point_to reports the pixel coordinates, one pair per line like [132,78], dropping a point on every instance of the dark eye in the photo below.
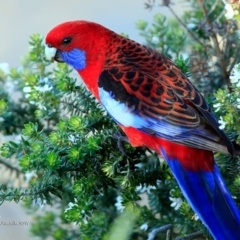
[66,40]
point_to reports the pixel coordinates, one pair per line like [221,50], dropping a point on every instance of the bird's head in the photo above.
[72,42]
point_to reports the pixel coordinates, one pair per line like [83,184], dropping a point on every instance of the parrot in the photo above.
[157,107]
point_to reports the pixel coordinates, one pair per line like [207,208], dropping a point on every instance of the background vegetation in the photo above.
[66,156]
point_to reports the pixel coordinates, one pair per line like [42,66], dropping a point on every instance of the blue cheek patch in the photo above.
[76,58]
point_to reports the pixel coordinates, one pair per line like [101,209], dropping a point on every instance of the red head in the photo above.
[76,41]
[81,44]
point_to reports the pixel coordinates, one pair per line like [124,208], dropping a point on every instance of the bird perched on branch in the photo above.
[156,106]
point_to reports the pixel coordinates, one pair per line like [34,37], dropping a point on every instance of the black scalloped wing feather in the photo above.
[151,85]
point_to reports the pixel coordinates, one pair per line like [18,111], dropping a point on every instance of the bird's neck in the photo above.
[90,76]
[96,56]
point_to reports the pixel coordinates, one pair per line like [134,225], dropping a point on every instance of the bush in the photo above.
[73,157]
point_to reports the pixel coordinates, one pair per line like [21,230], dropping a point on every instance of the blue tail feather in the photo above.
[209,197]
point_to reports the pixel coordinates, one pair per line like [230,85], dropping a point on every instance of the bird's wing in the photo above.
[145,90]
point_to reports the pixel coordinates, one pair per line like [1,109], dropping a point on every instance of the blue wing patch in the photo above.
[128,116]
[208,195]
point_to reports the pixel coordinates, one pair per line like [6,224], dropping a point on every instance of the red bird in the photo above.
[158,107]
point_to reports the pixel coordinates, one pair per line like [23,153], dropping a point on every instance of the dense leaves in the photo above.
[75,159]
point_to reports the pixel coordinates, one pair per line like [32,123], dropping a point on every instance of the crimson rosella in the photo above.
[156,106]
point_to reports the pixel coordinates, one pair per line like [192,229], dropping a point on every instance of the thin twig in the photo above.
[213,7]
[169,235]
[10,166]
[26,194]
[184,25]
[191,236]
[227,40]
[234,59]
[155,231]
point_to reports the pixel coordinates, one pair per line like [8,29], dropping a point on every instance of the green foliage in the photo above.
[166,36]
[74,157]
[70,151]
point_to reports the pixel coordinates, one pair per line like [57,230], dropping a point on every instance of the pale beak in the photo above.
[50,52]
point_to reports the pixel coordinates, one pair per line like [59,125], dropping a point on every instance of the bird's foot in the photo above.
[120,140]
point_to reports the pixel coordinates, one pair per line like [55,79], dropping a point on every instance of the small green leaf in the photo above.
[76,123]
[30,129]
[142,24]
[73,154]
[3,106]
[52,159]
[25,162]
[55,138]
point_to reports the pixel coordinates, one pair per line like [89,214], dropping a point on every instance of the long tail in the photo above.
[209,197]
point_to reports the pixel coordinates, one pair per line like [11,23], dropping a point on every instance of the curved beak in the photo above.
[53,54]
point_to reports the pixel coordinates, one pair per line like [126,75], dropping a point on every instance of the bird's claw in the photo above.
[120,139]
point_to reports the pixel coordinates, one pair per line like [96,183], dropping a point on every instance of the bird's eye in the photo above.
[66,40]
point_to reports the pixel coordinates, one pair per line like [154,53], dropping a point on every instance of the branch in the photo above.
[169,229]
[226,54]
[18,196]
[213,7]
[191,236]
[185,27]
[10,166]
[155,231]
[215,43]
[234,59]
